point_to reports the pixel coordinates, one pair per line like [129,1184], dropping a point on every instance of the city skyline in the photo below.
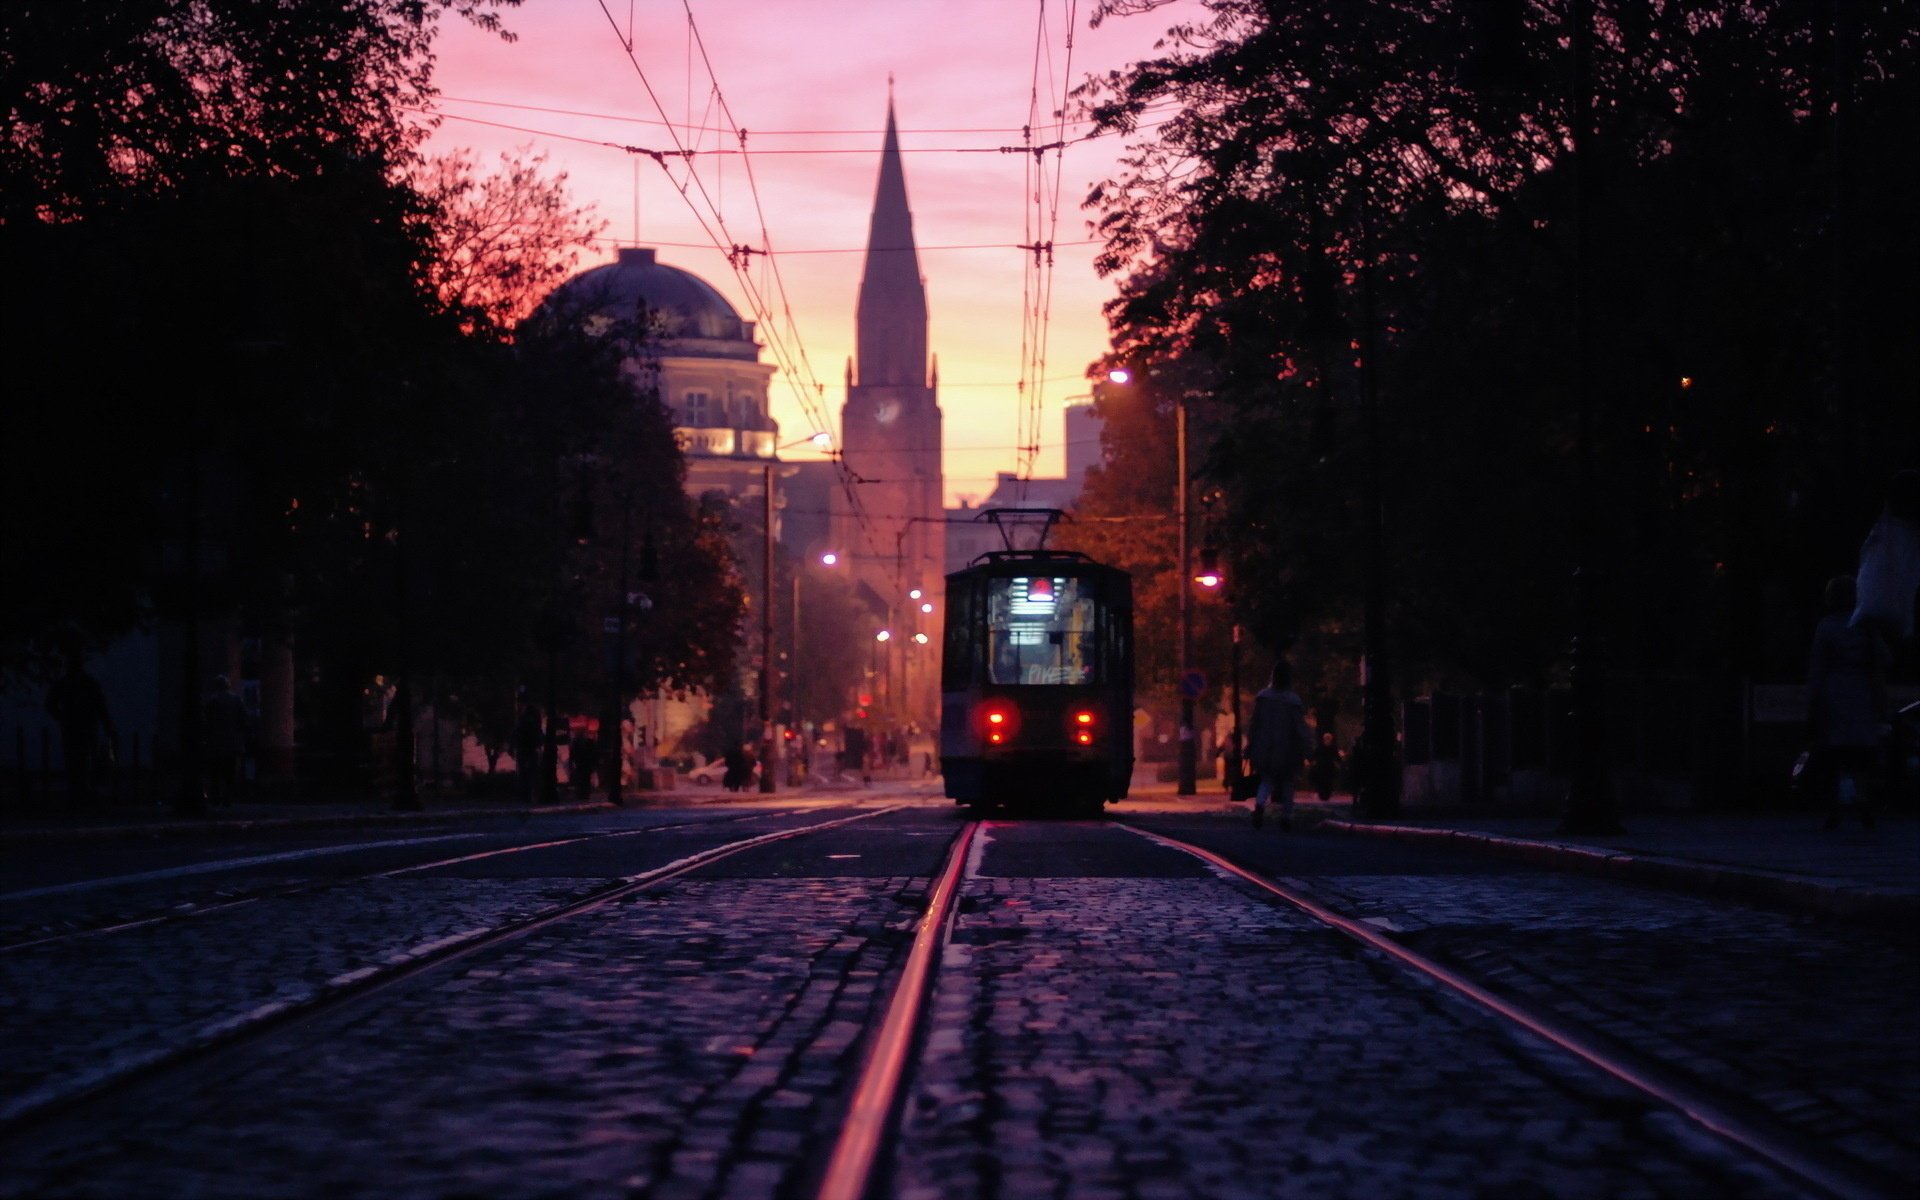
[566,87]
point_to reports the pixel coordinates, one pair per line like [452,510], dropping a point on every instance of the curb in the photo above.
[1779,889]
[191,825]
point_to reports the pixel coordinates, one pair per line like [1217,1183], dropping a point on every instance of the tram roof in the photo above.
[1013,561]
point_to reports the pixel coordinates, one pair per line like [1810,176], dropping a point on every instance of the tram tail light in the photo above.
[998,722]
[1082,726]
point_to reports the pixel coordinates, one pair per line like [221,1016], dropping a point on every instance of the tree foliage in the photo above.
[261,371]
[503,240]
[1324,178]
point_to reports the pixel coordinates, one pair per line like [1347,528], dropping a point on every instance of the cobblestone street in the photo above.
[1111,1018]
[1158,1037]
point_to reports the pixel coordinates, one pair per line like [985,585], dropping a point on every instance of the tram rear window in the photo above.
[1043,630]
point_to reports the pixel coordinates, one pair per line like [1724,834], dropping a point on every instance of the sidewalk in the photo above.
[1780,860]
[1785,861]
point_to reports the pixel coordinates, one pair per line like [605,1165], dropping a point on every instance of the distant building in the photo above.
[890,431]
[968,535]
[703,358]
[1084,451]
[705,362]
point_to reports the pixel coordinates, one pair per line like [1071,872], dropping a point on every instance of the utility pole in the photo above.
[1379,773]
[613,723]
[766,645]
[190,801]
[1189,745]
[1590,792]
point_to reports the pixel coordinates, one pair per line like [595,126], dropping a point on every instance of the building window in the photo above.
[697,405]
[749,412]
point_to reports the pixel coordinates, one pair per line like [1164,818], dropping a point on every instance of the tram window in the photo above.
[962,656]
[1043,631]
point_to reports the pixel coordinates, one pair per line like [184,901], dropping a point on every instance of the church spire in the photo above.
[891,335]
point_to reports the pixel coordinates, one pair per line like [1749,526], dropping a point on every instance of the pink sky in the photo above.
[823,65]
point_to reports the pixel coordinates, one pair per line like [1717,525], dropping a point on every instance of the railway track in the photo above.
[858,1164]
[871,1069]
[20,1112]
[193,910]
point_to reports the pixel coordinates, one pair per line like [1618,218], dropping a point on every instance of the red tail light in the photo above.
[999,720]
[1081,726]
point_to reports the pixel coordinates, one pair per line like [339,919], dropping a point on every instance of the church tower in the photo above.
[890,439]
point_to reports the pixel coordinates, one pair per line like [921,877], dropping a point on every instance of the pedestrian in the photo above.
[224,740]
[527,741]
[1278,743]
[735,775]
[1325,771]
[1889,574]
[580,753]
[77,704]
[1846,702]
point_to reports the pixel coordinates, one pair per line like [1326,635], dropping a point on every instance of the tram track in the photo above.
[309,886]
[226,1034]
[1750,1133]
[860,1158]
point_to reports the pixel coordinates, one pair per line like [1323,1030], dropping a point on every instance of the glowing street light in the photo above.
[914,594]
[885,635]
[1209,576]
[829,559]
[921,638]
[1119,375]
[927,607]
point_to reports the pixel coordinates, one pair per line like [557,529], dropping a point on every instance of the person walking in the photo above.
[1889,575]
[1278,743]
[1325,772]
[223,735]
[1846,702]
[77,704]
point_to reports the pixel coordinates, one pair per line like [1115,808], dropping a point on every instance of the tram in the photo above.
[1036,704]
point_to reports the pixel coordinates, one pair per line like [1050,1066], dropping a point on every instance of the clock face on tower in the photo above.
[886,411]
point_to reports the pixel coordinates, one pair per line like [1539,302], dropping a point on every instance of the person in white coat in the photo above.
[1846,703]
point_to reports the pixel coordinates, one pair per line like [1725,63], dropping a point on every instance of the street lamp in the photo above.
[1189,748]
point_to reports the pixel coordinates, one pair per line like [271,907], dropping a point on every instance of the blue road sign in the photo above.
[1192,684]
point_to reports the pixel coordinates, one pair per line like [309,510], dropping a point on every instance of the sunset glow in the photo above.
[809,84]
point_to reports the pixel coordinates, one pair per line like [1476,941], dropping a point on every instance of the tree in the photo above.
[173,336]
[504,240]
[1375,173]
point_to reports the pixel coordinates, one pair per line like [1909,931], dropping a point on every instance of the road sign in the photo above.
[1192,684]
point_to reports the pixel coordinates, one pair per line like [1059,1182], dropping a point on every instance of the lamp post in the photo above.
[1210,577]
[1189,749]
[766,645]
[768,743]
[1189,745]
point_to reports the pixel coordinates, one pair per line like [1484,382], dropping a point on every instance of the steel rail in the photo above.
[849,1172]
[308,886]
[1702,1110]
[50,1100]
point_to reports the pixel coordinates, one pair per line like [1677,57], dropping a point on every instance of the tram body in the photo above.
[1036,704]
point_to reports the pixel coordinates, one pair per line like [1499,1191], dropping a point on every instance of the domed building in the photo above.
[701,355]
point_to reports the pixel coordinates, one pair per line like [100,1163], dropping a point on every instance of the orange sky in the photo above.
[964,73]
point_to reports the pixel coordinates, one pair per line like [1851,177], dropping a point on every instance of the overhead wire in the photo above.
[1037,276]
[739,255]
